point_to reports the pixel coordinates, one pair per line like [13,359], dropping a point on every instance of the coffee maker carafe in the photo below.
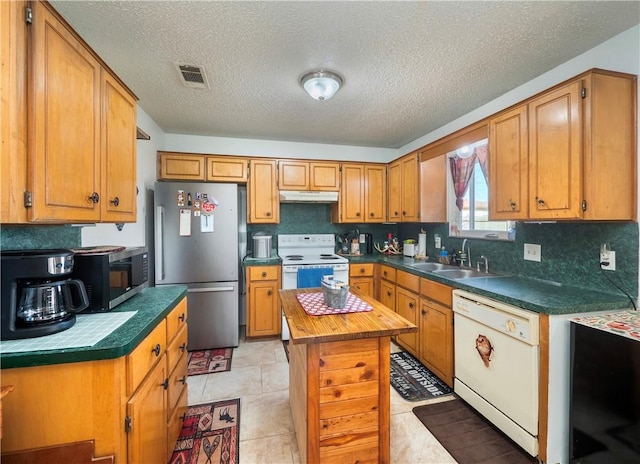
[38,297]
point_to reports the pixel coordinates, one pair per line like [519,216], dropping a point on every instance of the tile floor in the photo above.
[259,376]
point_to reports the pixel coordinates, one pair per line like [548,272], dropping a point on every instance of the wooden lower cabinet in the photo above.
[121,404]
[263,309]
[407,306]
[361,277]
[387,287]
[339,396]
[436,329]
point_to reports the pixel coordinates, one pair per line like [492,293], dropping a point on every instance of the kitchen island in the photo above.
[339,368]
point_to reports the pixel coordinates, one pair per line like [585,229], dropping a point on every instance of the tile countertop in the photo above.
[532,294]
[151,306]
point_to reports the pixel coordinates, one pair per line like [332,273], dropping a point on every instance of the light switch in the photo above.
[532,252]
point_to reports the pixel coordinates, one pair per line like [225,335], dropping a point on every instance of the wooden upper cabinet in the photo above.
[433,189]
[64,124]
[361,196]
[293,175]
[308,175]
[375,178]
[262,192]
[555,171]
[180,166]
[404,189]
[508,166]
[351,199]
[118,152]
[227,169]
[324,176]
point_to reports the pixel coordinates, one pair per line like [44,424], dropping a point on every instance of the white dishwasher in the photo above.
[497,364]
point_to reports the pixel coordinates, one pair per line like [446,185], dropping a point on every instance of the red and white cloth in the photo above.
[314,305]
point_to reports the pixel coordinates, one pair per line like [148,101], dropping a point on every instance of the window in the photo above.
[468,194]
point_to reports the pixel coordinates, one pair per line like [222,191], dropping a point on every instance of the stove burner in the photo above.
[328,257]
[294,257]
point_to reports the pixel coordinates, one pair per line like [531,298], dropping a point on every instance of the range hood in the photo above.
[303,196]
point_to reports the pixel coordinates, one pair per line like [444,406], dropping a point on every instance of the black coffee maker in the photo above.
[38,297]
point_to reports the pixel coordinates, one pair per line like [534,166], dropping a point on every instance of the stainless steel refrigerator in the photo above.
[197,228]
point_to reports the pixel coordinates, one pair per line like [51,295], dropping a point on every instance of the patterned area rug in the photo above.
[210,434]
[413,381]
[209,361]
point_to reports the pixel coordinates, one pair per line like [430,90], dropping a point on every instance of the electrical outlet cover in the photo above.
[608,257]
[532,252]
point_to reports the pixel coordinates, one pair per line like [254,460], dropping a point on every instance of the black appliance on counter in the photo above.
[111,274]
[38,296]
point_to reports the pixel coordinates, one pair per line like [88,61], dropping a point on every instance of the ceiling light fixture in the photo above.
[320,84]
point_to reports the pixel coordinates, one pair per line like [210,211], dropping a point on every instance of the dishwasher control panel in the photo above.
[515,322]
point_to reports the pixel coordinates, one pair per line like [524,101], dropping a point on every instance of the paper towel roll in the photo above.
[422,244]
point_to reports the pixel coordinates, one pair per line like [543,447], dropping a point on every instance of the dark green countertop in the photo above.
[152,305]
[274,259]
[532,294]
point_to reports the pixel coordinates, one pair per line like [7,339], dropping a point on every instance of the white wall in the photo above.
[134,234]
[277,149]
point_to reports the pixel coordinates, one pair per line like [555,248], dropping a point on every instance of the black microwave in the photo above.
[112,277]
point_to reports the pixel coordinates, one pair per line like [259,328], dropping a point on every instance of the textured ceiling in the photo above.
[409,67]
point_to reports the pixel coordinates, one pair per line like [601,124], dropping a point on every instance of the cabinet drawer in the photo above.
[263,272]
[145,356]
[177,348]
[436,291]
[177,383]
[176,320]
[408,281]
[359,270]
[387,273]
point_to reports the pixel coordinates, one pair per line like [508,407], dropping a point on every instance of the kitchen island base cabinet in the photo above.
[339,396]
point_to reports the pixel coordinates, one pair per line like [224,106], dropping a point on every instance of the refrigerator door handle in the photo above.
[159,243]
[210,289]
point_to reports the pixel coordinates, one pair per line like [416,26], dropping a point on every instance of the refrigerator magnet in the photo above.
[206,223]
[196,207]
[185,222]
[180,198]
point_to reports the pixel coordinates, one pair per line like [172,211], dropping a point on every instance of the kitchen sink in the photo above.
[429,266]
[461,273]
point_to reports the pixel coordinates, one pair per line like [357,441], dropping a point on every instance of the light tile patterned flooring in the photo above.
[259,376]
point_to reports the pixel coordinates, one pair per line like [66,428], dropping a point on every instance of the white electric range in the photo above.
[308,251]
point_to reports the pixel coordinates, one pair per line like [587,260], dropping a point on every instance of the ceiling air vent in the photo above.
[192,76]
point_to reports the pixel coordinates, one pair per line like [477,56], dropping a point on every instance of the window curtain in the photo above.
[481,153]
[461,172]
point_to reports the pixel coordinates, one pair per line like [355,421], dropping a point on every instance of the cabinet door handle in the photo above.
[424,312]
[269,292]
[165,384]
[371,214]
[358,214]
[115,202]
[540,201]
[411,305]
[388,293]
[183,380]
[512,204]
[94,197]
[268,213]
[181,317]
[404,213]
[183,417]
[264,274]
[395,213]
[384,273]
[183,347]
[156,350]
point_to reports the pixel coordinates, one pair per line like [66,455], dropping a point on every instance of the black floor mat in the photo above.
[413,381]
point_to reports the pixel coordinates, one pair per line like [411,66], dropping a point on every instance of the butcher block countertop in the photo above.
[380,322]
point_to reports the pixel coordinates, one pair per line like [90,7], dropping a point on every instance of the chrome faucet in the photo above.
[486,263]
[466,256]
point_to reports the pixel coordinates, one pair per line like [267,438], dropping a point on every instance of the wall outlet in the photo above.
[532,252]
[608,260]
[362,240]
